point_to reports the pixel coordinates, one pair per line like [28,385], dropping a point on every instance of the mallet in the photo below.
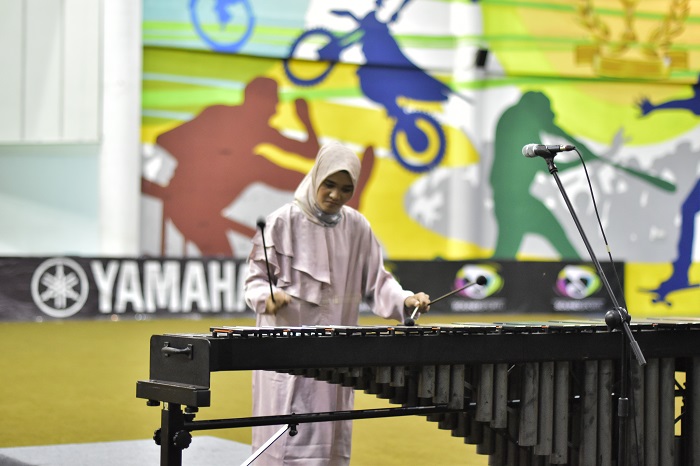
[480,280]
[261,225]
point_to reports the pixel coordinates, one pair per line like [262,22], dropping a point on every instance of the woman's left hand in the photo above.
[421,300]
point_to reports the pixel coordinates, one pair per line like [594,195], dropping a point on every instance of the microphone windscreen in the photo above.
[261,223]
[481,280]
[529,150]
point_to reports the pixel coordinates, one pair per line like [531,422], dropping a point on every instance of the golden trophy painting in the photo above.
[630,43]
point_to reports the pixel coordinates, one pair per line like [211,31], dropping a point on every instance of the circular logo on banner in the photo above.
[471,273]
[577,281]
[59,287]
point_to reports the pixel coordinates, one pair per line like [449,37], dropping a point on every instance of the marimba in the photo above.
[523,393]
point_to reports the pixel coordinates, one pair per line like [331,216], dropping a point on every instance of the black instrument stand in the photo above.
[617,318]
[174,435]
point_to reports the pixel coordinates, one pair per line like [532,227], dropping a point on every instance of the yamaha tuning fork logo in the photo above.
[62,287]
[59,287]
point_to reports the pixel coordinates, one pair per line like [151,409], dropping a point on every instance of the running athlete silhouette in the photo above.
[692,104]
[679,278]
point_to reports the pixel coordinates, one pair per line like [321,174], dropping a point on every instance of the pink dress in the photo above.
[327,271]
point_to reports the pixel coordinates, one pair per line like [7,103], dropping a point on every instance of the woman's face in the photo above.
[334,192]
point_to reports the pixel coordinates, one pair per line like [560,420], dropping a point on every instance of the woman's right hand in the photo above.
[281,300]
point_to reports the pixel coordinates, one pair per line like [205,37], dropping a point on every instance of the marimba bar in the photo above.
[524,394]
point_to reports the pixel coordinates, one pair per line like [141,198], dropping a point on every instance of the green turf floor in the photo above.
[75,382]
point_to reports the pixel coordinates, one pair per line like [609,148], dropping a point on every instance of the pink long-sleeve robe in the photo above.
[327,271]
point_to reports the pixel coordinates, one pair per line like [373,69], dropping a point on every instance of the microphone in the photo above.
[480,280]
[261,225]
[533,150]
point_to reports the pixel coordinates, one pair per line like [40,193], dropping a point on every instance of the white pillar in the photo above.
[120,155]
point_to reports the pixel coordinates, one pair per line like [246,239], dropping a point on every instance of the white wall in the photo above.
[69,127]
[120,157]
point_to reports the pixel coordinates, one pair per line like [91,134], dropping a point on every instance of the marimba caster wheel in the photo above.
[156,436]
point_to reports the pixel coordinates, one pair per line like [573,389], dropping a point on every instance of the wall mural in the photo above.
[438,98]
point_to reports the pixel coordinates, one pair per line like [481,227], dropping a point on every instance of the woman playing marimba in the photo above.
[322,259]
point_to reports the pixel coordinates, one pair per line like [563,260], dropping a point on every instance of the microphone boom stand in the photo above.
[617,318]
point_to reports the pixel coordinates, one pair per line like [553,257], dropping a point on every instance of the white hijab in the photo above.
[332,158]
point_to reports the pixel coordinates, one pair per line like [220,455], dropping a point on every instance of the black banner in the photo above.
[513,286]
[47,288]
[72,287]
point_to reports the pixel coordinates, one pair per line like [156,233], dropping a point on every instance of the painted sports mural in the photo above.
[438,98]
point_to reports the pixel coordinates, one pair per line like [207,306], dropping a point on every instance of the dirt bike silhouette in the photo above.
[228,38]
[387,75]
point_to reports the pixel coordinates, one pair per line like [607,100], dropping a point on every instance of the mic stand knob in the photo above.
[615,317]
